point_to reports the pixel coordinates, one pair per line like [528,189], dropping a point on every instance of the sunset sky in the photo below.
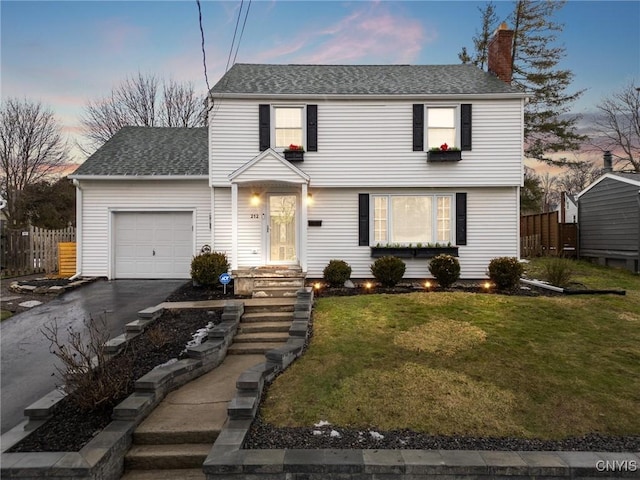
[66,53]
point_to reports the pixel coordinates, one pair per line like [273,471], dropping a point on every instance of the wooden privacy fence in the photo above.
[32,250]
[542,234]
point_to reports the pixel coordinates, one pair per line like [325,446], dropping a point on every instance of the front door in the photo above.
[281,228]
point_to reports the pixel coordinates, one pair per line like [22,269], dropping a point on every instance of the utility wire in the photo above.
[233,41]
[204,54]
[246,14]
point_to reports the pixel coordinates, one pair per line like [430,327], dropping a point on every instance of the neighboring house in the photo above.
[366,178]
[567,209]
[610,220]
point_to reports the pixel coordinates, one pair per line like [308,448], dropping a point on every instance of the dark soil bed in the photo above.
[190,293]
[46,282]
[70,428]
[263,436]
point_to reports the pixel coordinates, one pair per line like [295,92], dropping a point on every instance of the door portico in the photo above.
[268,213]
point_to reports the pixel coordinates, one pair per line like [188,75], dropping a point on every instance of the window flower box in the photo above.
[444,154]
[400,252]
[430,252]
[294,153]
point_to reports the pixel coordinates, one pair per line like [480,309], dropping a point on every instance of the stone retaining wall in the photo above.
[227,459]
[103,457]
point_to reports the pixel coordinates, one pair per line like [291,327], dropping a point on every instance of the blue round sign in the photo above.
[225,278]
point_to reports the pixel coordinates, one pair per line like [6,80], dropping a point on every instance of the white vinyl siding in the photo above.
[103,199]
[369,144]
[492,230]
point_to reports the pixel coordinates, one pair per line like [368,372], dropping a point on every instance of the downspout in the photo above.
[76,183]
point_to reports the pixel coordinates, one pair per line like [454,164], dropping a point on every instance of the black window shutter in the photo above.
[363,219]
[465,126]
[265,127]
[461,218]
[418,127]
[312,128]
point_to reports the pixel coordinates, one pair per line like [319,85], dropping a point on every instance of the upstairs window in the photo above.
[442,127]
[406,219]
[288,126]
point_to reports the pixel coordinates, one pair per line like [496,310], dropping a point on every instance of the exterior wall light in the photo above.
[309,199]
[255,199]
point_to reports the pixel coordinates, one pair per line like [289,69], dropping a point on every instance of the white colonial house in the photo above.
[151,198]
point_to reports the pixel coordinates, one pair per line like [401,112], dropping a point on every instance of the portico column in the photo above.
[234,226]
[303,228]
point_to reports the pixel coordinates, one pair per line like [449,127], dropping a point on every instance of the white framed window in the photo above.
[288,126]
[406,219]
[442,126]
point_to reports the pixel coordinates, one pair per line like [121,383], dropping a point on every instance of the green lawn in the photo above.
[474,364]
[4,314]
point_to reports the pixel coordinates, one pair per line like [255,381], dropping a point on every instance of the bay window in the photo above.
[412,219]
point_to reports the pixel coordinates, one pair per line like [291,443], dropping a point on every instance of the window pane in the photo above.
[411,219]
[288,136]
[380,211]
[288,117]
[444,219]
[441,117]
[438,136]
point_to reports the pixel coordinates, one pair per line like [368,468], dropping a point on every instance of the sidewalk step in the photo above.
[177,456]
[256,327]
[253,317]
[253,348]
[175,474]
[157,436]
[261,337]
[274,292]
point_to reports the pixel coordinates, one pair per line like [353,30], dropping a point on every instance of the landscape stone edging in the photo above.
[54,289]
[228,460]
[102,458]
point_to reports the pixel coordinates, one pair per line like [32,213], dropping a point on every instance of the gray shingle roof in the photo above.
[629,175]
[265,79]
[162,151]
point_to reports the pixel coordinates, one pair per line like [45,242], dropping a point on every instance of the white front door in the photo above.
[282,237]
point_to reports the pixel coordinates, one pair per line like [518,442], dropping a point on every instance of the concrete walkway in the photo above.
[173,441]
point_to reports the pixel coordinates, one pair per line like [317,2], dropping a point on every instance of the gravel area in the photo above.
[265,436]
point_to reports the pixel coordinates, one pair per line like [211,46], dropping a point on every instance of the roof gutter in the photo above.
[139,177]
[419,97]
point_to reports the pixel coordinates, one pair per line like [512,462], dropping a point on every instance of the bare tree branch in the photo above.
[31,148]
[145,101]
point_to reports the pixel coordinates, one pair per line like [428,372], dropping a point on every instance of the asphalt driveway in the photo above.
[27,367]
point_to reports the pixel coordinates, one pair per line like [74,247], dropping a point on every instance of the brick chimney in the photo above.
[500,53]
[608,163]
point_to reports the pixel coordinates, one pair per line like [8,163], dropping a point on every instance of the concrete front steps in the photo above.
[269,281]
[264,326]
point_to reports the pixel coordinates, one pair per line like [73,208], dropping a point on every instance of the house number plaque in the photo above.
[254,216]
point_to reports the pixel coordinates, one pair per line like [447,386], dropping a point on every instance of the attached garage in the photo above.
[144,204]
[152,244]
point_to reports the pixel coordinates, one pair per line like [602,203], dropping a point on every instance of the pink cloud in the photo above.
[370,32]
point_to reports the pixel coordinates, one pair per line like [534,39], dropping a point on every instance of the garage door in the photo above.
[153,244]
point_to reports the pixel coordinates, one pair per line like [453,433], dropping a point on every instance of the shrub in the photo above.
[557,271]
[90,379]
[505,272]
[207,267]
[445,269]
[336,273]
[388,270]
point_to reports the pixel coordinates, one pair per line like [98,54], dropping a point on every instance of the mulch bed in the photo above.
[265,436]
[70,428]
[190,293]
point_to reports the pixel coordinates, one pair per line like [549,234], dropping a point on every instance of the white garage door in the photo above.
[153,244]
